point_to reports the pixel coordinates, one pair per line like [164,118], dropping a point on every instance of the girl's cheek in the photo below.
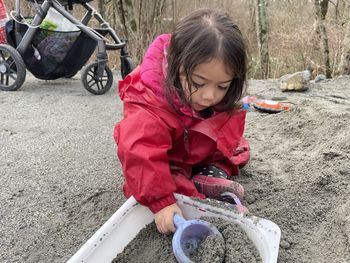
[185,86]
[187,91]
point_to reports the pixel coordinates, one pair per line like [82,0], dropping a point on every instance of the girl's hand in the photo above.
[164,218]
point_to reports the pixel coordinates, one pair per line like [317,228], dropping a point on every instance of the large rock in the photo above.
[297,81]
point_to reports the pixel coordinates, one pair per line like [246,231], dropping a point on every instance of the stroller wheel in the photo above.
[95,84]
[12,68]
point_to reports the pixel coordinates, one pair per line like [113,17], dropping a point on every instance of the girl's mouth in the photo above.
[198,107]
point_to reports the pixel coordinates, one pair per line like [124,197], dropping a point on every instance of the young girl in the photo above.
[182,130]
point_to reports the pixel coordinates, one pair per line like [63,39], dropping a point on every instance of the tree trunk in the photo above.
[127,17]
[321,8]
[344,67]
[102,7]
[262,32]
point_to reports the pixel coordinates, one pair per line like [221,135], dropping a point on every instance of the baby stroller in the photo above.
[49,53]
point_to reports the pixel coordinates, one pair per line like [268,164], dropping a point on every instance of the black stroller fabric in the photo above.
[52,54]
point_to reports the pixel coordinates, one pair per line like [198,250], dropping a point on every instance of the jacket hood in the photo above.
[154,64]
[151,75]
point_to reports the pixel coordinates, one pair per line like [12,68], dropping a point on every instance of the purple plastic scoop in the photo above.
[188,236]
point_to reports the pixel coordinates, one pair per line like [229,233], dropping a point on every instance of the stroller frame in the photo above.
[97,70]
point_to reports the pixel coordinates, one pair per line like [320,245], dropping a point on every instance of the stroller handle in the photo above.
[115,46]
[117,43]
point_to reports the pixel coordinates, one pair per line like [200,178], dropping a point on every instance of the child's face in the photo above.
[211,81]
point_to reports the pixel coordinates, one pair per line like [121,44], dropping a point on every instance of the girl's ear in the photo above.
[184,82]
[181,70]
[183,76]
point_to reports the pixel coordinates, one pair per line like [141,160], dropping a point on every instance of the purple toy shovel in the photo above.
[188,236]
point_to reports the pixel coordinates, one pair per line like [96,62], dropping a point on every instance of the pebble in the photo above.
[250,199]
[284,244]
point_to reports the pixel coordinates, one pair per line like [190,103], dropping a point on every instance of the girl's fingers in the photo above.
[167,226]
[164,219]
[158,225]
[170,225]
[159,228]
[161,225]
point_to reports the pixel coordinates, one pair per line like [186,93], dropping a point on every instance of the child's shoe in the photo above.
[212,182]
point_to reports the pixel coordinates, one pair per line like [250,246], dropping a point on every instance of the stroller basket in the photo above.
[53,54]
[56,44]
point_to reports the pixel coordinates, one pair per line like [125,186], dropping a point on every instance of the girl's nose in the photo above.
[208,94]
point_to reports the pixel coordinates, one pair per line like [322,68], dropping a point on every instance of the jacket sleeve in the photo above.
[143,140]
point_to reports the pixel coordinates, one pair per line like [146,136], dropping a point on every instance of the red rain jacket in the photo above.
[157,146]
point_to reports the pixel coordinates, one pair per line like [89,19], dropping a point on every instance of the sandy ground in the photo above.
[60,178]
[152,247]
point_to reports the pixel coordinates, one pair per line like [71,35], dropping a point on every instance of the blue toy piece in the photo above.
[188,236]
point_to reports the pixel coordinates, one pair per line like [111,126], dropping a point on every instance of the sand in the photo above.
[211,249]
[60,178]
[233,246]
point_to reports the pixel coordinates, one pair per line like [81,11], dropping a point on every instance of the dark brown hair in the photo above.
[199,37]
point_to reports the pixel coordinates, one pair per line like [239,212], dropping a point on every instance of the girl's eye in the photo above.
[223,87]
[197,85]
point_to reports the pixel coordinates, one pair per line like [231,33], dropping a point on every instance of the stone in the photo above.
[297,81]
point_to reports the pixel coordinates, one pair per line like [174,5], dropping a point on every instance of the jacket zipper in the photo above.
[186,142]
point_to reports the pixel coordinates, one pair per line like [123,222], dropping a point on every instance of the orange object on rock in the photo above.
[270,106]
